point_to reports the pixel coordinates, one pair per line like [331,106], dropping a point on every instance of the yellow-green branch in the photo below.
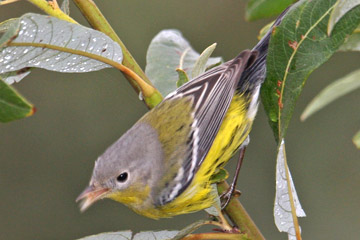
[52,10]
[239,216]
[225,236]
[97,20]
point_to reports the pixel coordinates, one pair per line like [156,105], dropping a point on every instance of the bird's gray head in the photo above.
[133,161]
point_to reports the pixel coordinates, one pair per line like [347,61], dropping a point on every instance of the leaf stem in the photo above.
[52,9]
[291,198]
[238,215]
[214,235]
[97,20]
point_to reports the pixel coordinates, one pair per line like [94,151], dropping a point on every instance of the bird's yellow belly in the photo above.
[233,131]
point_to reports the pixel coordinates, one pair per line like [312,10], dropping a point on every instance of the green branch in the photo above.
[238,215]
[97,20]
[52,9]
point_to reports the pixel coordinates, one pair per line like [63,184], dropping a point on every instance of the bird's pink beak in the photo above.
[90,195]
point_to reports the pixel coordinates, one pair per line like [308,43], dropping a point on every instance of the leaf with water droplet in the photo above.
[288,67]
[123,235]
[167,51]
[160,235]
[12,105]
[128,235]
[282,206]
[46,42]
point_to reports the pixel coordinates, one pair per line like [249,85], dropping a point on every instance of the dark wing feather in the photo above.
[256,73]
[211,95]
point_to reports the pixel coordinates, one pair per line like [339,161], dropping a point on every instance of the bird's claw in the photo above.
[226,197]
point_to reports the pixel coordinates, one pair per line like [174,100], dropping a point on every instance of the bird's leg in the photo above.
[226,196]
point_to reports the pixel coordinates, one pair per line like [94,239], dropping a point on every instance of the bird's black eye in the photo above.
[122,177]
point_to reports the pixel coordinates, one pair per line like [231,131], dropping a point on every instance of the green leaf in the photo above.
[356,139]
[220,176]
[264,30]
[298,46]
[352,43]
[12,105]
[183,78]
[332,92]
[340,9]
[201,63]
[124,235]
[168,51]
[257,9]
[46,42]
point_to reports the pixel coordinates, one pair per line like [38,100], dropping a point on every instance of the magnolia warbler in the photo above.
[162,166]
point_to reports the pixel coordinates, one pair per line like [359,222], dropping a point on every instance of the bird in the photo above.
[162,166]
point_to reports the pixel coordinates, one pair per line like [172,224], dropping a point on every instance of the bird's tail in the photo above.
[254,76]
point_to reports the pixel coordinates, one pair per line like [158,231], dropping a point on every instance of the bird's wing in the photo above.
[211,94]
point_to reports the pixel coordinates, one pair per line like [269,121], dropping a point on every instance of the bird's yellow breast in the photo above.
[233,131]
[198,195]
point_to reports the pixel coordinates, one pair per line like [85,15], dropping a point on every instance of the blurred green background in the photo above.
[46,160]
